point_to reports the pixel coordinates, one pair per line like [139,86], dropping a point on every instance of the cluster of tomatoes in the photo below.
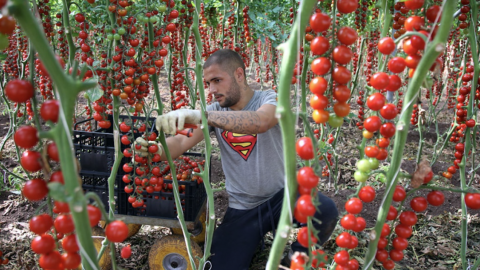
[36,189]
[369,65]
[342,55]
[404,222]
[146,174]
[63,231]
[361,15]
[304,207]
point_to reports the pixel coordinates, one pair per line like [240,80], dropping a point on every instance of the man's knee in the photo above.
[328,214]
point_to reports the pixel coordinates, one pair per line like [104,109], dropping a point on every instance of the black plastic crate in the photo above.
[96,151]
[98,183]
[157,204]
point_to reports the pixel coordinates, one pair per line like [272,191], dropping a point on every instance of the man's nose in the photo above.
[212,89]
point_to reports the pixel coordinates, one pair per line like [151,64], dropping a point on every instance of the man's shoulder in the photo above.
[266,97]
[215,106]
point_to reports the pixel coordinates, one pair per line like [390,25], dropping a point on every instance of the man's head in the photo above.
[224,73]
[228,61]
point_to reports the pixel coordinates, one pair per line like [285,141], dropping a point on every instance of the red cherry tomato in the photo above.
[304,148]
[347,35]
[116,231]
[376,101]
[367,194]
[126,252]
[26,137]
[372,123]
[307,178]
[472,200]
[399,194]
[386,45]
[35,189]
[354,206]
[320,22]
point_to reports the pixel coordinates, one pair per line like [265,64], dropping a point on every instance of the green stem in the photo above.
[468,142]
[210,221]
[421,141]
[287,124]
[178,202]
[68,32]
[431,53]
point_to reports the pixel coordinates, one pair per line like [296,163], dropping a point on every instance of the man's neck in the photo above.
[247,94]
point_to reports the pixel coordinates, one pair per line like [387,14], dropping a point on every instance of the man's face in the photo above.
[222,85]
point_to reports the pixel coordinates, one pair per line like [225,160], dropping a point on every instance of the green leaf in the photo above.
[321,145]
[277,9]
[94,94]
[57,191]
[3,56]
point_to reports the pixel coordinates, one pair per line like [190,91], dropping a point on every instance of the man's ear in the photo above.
[239,75]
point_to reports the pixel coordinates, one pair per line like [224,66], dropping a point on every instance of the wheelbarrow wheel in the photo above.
[198,233]
[105,261]
[170,253]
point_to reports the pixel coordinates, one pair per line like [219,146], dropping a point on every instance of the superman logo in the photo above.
[243,144]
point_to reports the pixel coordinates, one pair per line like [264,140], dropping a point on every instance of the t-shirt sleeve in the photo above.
[270,97]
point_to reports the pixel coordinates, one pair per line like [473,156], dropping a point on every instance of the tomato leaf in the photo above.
[94,94]
[57,191]
[3,56]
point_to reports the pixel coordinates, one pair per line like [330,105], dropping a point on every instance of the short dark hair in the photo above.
[227,59]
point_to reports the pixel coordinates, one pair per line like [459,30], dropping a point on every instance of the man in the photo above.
[251,147]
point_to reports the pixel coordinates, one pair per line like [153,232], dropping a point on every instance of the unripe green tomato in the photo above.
[310,61]
[110,37]
[4,42]
[145,19]
[363,165]
[360,176]
[117,37]
[108,29]
[128,8]
[121,31]
[162,8]
[250,43]
[306,48]
[374,163]
[335,121]
[153,19]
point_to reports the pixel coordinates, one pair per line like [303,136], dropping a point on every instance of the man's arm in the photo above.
[244,122]
[179,144]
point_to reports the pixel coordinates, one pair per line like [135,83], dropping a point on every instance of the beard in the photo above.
[232,96]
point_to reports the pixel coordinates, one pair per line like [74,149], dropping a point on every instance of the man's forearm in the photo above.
[246,122]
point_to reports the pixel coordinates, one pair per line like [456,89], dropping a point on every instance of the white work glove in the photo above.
[143,151]
[174,120]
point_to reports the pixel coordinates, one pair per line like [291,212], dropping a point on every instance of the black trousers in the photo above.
[237,238]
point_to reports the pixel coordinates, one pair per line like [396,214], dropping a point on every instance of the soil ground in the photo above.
[435,243]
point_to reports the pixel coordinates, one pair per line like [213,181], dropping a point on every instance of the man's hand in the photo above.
[147,147]
[176,119]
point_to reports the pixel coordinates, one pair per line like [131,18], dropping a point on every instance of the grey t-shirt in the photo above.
[253,163]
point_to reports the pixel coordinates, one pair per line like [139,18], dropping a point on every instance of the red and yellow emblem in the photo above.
[241,143]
